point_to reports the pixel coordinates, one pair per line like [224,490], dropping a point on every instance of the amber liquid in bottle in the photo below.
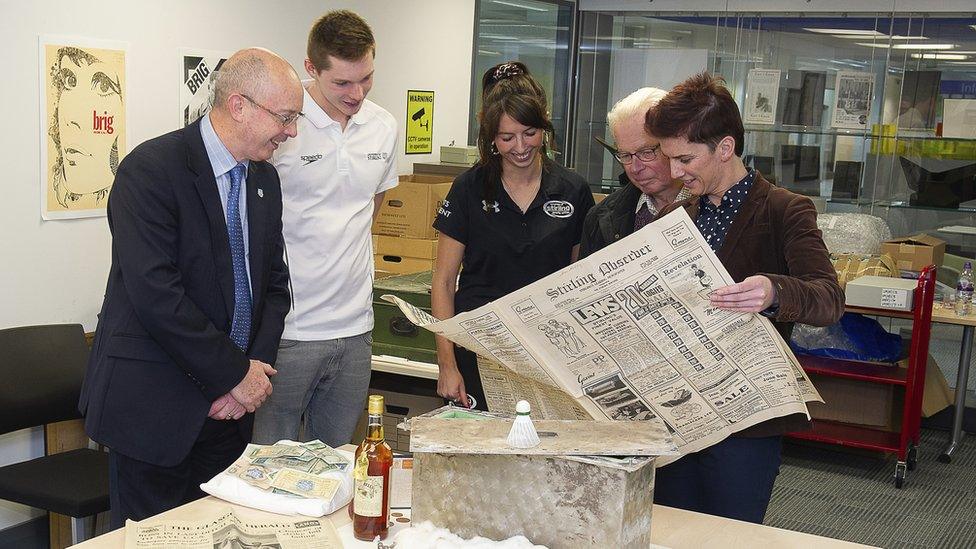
[371,473]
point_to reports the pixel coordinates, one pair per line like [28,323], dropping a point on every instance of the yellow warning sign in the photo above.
[420,122]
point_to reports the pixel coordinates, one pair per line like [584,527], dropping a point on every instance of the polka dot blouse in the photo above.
[714,221]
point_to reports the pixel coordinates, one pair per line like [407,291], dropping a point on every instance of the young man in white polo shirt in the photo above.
[333,176]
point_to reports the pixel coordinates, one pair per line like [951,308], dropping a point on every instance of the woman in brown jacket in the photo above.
[768,240]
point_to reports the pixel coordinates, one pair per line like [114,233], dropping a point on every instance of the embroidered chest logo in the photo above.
[377,156]
[558,208]
[490,206]
[309,158]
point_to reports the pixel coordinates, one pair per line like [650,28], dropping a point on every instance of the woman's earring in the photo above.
[494,149]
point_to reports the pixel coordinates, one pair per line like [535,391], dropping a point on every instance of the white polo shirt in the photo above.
[328,180]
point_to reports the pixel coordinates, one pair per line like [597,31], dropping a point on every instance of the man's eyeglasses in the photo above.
[645,155]
[286,120]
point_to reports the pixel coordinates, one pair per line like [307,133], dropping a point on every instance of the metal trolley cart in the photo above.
[903,442]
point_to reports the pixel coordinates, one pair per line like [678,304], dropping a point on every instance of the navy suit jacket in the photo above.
[162,353]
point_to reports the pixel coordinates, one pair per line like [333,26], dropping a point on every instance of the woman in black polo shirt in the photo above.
[512,219]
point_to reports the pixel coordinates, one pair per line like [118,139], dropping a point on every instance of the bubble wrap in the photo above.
[851,233]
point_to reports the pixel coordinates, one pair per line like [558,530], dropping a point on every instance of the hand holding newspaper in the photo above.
[629,333]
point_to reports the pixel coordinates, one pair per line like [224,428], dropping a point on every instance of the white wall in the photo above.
[55,271]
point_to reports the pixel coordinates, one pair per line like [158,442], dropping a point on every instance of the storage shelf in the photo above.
[851,369]
[879,312]
[854,436]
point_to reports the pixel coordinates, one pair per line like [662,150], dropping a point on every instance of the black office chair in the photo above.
[41,371]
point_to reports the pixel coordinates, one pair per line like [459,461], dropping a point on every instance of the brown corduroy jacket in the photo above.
[775,234]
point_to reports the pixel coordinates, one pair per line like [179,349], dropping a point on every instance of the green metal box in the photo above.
[393,334]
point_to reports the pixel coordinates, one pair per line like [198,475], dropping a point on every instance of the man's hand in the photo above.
[752,295]
[255,387]
[226,407]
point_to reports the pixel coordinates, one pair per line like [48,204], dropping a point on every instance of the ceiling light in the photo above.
[923,46]
[861,32]
[898,37]
[860,36]
[942,56]
[517,5]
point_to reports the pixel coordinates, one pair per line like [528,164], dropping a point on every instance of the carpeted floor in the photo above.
[851,495]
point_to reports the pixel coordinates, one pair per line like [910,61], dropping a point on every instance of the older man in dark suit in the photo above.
[197,292]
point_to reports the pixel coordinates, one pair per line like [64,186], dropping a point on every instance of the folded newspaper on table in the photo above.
[308,478]
[628,333]
[228,530]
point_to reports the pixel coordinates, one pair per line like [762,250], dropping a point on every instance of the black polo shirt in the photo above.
[505,249]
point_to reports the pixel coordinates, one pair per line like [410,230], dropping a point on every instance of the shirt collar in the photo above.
[318,117]
[221,160]
[743,185]
[683,193]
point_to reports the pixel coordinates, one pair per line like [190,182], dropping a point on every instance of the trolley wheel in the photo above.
[901,469]
[912,457]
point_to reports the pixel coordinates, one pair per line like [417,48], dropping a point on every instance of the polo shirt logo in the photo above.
[558,208]
[493,206]
[377,156]
[309,158]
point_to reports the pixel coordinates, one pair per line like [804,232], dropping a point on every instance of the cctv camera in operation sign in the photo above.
[420,122]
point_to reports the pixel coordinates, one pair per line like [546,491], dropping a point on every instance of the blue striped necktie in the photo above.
[240,330]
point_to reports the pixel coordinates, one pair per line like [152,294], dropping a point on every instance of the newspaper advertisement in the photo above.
[762,91]
[852,100]
[629,333]
[229,530]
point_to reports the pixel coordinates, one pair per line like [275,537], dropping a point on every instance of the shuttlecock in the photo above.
[523,433]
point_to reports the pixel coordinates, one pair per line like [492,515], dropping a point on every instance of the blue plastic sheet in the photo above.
[855,337]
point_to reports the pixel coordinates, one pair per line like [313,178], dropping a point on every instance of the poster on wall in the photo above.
[198,73]
[420,122]
[762,92]
[82,83]
[852,100]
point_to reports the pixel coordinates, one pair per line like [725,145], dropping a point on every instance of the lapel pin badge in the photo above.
[260,193]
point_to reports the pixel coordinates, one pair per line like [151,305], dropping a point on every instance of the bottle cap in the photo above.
[375,404]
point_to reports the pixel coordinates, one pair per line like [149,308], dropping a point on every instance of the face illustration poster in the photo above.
[198,73]
[83,83]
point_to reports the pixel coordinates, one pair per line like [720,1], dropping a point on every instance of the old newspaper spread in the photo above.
[628,333]
[229,530]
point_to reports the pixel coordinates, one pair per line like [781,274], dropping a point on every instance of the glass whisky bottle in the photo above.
[371,474]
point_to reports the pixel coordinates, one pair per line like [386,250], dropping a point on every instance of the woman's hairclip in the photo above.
[507,70]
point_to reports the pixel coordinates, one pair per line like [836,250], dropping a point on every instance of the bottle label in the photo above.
[362,465]
[368,497]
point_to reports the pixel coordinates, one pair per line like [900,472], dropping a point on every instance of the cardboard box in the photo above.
[851,266]
[937,395]
[410,208]
[422,248]
[881,292]
[914,253]
[398,254]
[402,265]
[878,405]
[875,405]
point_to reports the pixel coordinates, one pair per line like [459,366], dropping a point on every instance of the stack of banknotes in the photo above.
[291,469]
